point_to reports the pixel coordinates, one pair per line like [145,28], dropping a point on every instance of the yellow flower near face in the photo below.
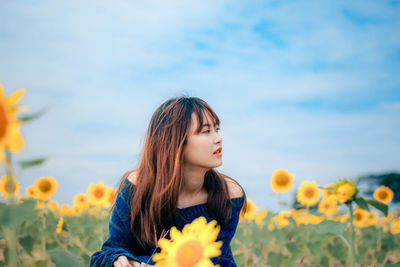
[395,229]
[60,225]
[10,137]
[383,194]
[281,180]
[345,191]
[98,194]
[81,201]
[5,183]
[250,210]
[111,195]
[194,246]
[360,217]
[328,205]
[308,193]
[45,187]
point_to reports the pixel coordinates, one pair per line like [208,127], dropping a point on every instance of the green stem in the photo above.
[352,236]
[11,232]
[11,236]
[10,178]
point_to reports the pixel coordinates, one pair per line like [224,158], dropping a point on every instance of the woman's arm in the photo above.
[236,193]
[120,241]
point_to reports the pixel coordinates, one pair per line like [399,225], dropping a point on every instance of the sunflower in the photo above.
[372,218]
[250,213]
[66,210]
[98,194]
[383,194]
[39,204]
[308,218]
[395,229]
[328,205]
[342,218]
[81,201]
[111,195]
[295,212]
[5,182]
[328,191]
[308,193]
[45,187]
[193,247]
[30,191]
[10,137]
[53,205]
[360,217]
[345,190]
[281,180]
[282,218]
[261,215]
[60,225]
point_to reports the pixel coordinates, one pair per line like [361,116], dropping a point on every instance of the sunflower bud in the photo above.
[345,191]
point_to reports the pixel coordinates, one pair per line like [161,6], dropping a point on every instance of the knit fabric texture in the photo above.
[121,240]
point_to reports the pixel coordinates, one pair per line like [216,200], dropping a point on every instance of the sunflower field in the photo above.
[333,226]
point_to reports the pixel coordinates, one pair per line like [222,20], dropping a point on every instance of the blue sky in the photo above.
[311,86]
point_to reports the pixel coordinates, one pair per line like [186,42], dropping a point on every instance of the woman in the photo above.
[174,184]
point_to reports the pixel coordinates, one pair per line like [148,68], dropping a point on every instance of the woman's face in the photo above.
[200,147]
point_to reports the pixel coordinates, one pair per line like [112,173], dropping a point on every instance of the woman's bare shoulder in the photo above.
[132,176]
[235,189]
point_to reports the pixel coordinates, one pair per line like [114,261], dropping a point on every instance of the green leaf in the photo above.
[33,116]
[63,258]
[362,203]
[379,205]
[40,263]
[27,243]
[275,259]
[31,163]
[13,215]
[329,226]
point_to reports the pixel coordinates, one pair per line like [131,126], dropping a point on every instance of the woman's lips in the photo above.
[218,152]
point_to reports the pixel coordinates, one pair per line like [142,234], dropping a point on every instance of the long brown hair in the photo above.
[159,177]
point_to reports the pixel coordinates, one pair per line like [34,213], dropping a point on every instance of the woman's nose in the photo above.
[218,139]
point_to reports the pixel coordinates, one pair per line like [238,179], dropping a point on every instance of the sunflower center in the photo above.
[189,254]
[282,180]
[82,199]
[45,186]
[358,217]
[382,194]
[327,206]
[99,192]
[3,122]
[309,192]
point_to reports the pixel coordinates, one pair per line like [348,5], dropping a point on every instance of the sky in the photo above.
[309,86]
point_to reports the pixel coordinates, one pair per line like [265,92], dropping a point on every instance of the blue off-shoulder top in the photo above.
[121,240]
